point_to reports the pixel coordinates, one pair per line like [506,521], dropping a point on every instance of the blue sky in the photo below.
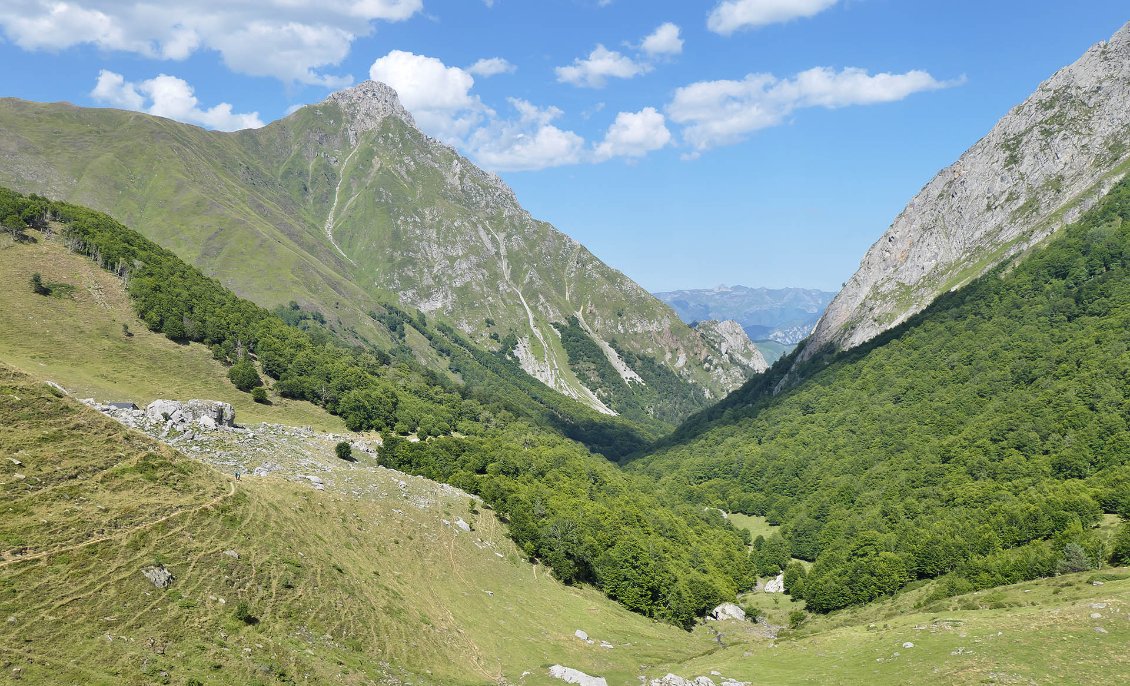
[761,142]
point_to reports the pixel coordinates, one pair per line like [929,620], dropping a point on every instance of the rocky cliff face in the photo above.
[733,344]
[1048,160]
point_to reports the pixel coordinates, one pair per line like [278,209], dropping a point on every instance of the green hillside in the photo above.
[982,440]
[93,343]
[568,507]
[276,583]
[328,587]
[345,207]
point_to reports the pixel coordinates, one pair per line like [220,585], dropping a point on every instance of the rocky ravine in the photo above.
[1047,161]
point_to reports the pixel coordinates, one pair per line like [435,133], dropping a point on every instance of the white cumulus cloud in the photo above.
[664,40]
[601,64]
[171,97]
[722,112]
[633,135]
[734,15]
[437,95]
[291,40]
[491,66]
[526,143]
[442,100]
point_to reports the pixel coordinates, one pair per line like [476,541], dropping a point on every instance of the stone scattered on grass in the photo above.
[158,576]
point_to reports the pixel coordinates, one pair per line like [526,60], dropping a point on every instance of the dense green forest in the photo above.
[981,440]
[501,435]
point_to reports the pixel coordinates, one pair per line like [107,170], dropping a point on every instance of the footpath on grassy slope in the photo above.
[9,559]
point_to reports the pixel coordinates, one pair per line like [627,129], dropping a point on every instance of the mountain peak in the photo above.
[1045,163]
[368,104]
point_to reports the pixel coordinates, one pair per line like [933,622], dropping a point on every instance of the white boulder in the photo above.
[728,611]
[575,676]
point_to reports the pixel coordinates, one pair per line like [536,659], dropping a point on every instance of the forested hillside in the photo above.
[982,439]
[569,508]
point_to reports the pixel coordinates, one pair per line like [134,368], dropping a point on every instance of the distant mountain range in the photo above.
[782,315]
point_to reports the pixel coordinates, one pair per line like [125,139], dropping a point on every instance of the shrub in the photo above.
[1074,560]
[752,612]
[796,618]
[259,395]
[1121,554]
[344,451]
[37,285]
[244,376]
[243,613]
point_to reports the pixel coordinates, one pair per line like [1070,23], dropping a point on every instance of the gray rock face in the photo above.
[158,576]
[775,585]
[1047,161]
[207,414]
[367,105]
[734,344]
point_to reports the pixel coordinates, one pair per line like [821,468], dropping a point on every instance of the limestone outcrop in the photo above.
[1045,163]
[207,414]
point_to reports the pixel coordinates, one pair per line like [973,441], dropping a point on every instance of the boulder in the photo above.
[776,585]
[575,676]
[676,680]
[208,414]
[728,611]
[158,576]
[581,635]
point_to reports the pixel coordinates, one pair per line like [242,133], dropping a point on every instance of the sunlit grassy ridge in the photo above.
[79,341]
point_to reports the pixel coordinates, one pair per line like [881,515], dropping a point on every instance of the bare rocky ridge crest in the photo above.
[1045,163]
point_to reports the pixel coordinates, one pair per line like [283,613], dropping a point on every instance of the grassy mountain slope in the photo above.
[345,589]
[343,206]
[371,585]
[979,440]
[78,341]
[568,507]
